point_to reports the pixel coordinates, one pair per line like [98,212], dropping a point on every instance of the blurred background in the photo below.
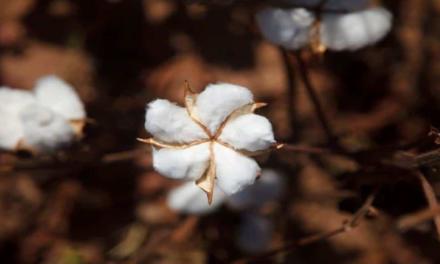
[101,201]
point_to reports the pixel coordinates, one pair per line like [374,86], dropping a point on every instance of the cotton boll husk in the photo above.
[44,130]
[342,5]
[11,129]
[189,163]
[233,170]
[267,188]
[288,28]
[60,97]
[171,123]
[190,199]
[254,234]
[250,132]
[217,101]
[355,30]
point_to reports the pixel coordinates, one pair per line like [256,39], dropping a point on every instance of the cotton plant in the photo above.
[354,26]
[43,120]
[255,230]
[211,140]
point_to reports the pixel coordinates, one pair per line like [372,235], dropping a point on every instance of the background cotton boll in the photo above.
[217,101]
[289,28]
[343,5]
[234,171]
[13,100]
[60,97]
[355,30]
[190,199]
[171,123]
[45,130]
[267,188]
[254,234]
[251,132]
[189,163]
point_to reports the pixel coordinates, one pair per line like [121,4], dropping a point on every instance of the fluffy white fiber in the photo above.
[355,30]
[217,101]
[291,28]
[45,130]
[250,132]
[39,120]
[60,97]
[171,123]
[190,199]
[189,163]
[233,170]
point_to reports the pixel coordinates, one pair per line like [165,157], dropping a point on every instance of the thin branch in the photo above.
[431,199]
[306,149]
[411,220]
[346,226]
[291,92]
[311,91]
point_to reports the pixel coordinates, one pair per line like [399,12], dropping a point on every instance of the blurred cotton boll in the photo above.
[40,121]
[292,28]
[254,234]
[268,188]
[286,27]
[355,30]
[190,199]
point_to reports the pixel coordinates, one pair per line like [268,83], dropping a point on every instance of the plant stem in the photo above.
[291,93]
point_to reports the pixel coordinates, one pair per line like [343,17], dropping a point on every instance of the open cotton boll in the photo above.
[341,5]
[234,171]
[188,163]
[45,130]
[217,101]
[267,188]
[11,129]
[171,123]
[190,199]
[355,30]
[254,234]
[250,132]
[286,27]
[60,97]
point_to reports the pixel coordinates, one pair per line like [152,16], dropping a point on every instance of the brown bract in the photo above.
[207,181]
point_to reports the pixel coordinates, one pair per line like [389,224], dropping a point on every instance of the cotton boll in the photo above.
[251,132]
[267,188]
[255,233]
[217,101]
[355,30]
[190,199]
[60,97]
[11,129]
[171,123]
[234,171]
[189,163]
[45,130]
[288,28]
[342,5]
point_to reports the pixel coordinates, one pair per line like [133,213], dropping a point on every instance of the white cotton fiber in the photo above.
[190,199]
[355,30]
[11,129]
[289,28]
[217,101]
[45,130]
[171,123]
[250,131]
[255,233]
[267,188]
[234,171]
[189,163]
[338,5]
[60,97]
